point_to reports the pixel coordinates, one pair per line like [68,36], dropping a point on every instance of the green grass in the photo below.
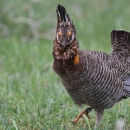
[31,94]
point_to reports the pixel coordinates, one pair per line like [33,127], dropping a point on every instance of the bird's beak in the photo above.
[64,43]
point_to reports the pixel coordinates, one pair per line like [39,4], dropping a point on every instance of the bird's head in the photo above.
[65,45]
[66,32]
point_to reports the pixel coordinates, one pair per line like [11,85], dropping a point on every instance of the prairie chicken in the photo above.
[91,77]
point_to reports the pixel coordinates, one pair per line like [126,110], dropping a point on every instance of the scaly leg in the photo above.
[80,115]
[99,115]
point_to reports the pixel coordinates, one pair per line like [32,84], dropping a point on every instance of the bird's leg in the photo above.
[86,111]
[99,115]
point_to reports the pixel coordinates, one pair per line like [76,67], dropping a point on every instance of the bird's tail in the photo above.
[120,41]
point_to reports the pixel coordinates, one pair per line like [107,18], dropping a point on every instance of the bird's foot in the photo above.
[80,115]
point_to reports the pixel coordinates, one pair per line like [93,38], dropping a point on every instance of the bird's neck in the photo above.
[69,54]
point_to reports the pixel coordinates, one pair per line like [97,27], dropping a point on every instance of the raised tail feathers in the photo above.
[120,40]
[120,36]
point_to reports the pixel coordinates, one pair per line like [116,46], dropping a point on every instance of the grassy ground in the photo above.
[31,94]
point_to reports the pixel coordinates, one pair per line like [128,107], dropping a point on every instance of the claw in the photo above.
[75,120]
[80,115]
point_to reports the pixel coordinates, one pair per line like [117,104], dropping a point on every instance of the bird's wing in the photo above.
[127,85]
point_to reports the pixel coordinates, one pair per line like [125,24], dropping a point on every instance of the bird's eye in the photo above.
[59,36]
[70,36]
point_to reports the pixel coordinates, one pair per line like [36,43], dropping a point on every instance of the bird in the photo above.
[92,78]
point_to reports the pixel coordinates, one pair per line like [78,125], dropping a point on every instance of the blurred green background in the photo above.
[31,94]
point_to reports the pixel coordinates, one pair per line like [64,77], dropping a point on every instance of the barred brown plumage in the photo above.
[90,77]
